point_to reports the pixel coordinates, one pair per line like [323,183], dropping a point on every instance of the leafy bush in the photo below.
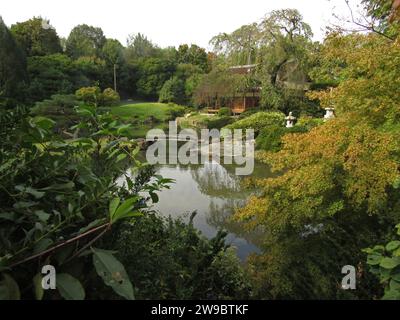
[223,112]
[173,90]
[309,122]
[93,96]
[270,138]
[58,104]
[59,196]
[218,122]
[259,121]
[110,97]
[89,95]
[169,259]
[175,111]
[384,262]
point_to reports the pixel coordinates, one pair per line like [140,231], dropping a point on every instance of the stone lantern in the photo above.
[290,120]
[330,114]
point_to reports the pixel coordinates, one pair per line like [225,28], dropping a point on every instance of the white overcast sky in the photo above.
[166,22]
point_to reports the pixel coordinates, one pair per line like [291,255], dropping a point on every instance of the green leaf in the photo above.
[390,263]
[11,216]
[43,122]
[391,295]
[374,259]
[392,245]
[69,287]
[42,245]
[154,197]
[37,286]
[394,285]
[121,157]
[379,248]
[43,216]
[114,203]
[9,289]
[113,273]
[124,209]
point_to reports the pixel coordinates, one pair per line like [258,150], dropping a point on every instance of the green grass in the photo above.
[142,111]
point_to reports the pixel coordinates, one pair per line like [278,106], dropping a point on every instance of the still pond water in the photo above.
[214,191]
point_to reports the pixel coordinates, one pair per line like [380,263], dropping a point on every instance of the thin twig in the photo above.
[59,245]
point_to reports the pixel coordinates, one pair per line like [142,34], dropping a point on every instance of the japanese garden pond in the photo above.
[214,191]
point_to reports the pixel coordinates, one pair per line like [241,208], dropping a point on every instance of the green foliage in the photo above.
[69,287]
[13,75]
[140,47]
[223,112]
[85,40]
[36,37]
[173,90]
[175,111]
[89,95]
[169,259]
[113,51]
[49,75]
[193,55]
[259,121]
[218,122]
[153,73]
[113,273]
[384,262]
[270,139]
[110,97]
[55,198]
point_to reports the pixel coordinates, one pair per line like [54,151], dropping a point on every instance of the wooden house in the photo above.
[238,102]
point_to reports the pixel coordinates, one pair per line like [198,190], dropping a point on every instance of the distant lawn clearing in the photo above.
[142,111]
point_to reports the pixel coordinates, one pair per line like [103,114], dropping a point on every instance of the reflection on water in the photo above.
[214,191]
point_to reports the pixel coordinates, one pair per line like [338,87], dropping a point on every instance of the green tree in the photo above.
[284,57]
[153,73]
[239,47]
[13,75]
[50,75]
[193,55]
[173,90]
[139,46]
[37,37]
[113,52]
[85,40]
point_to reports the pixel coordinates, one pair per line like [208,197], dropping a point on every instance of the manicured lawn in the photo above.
[141,111]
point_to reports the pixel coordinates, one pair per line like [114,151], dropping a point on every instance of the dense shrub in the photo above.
[89,95]
[173,90]
[110,97]
[259,121]
[225,112]
[270,138]
[174,111]
[169,259]
[57,104]
[94,97]
[218,122]
[309,122]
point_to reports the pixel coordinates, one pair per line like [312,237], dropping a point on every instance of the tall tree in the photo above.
[139,46]
[13,74]
[240,46]
[193,55]
[37,37]
[114,56]
[85,40]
